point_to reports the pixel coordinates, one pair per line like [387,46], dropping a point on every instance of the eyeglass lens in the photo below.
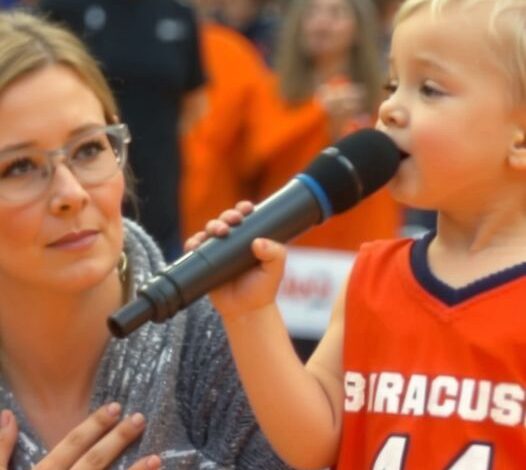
[92,157]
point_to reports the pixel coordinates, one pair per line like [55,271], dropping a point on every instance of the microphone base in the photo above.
[130,317]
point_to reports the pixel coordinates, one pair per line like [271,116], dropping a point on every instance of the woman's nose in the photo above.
[68,196]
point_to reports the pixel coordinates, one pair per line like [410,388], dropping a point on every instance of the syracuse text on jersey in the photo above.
[439,396]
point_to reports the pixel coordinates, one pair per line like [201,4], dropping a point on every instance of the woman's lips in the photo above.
[75,239]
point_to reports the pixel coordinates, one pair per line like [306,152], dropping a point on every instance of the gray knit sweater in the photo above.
[180,374]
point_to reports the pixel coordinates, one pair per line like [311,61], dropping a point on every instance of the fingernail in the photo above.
[138,420]
[5,418]
[153,462]
[114,409]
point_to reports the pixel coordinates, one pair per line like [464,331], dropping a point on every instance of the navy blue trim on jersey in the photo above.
[450,295]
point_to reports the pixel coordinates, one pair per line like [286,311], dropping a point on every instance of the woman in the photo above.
[329,47]
[67,261]
[151,54]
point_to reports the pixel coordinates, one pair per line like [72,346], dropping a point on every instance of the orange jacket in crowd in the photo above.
[218,170]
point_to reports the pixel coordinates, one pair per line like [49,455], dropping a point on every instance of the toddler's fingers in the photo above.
[221,226]
[217,228]
[245,207]
[195,240]
[231,217]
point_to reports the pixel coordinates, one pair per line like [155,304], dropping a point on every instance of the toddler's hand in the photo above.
[256,288]
[220,227]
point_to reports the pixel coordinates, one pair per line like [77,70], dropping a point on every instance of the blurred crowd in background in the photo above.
[228,99]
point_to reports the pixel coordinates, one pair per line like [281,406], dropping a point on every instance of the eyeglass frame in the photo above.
[118,130]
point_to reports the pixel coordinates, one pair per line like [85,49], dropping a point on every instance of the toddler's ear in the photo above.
[517,151]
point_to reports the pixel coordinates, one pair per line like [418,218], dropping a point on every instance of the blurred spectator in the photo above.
[386,10]
[149,50]
[208,9]
[218,168]
[256,20]
[5,4]
[329,82]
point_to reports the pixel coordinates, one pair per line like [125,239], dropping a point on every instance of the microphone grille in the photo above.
[356,166]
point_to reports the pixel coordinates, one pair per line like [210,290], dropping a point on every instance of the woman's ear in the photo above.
[517,151]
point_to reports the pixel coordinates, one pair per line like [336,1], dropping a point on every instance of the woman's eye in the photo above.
[17,167]
[88,151]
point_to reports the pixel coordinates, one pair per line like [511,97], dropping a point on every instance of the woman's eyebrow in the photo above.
[17,146]
[85,127]
[32,143]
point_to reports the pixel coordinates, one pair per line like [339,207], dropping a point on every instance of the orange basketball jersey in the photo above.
[435,377]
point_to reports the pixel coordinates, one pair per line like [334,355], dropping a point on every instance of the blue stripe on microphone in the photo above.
[319,194]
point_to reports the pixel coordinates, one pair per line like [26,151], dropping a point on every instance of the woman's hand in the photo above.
[345,104]
[342,99]
[93,444]
[256,288]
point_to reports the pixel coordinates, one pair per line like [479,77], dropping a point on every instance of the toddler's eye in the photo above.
[390,86]
[431,91]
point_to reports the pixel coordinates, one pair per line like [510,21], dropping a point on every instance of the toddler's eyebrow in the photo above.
[425,61]
[429,61]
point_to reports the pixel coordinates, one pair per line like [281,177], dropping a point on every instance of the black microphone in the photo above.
[340,177]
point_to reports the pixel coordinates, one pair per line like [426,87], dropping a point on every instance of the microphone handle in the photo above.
[284,215]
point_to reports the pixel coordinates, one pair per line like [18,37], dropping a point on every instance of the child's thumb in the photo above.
[267,250]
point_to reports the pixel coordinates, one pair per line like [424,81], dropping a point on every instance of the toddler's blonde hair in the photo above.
[506,31]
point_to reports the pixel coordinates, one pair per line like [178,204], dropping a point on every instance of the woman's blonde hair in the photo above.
[294,67]
[506,32]
[29,42]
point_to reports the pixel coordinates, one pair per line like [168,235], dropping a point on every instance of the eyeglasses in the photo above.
[93,156]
